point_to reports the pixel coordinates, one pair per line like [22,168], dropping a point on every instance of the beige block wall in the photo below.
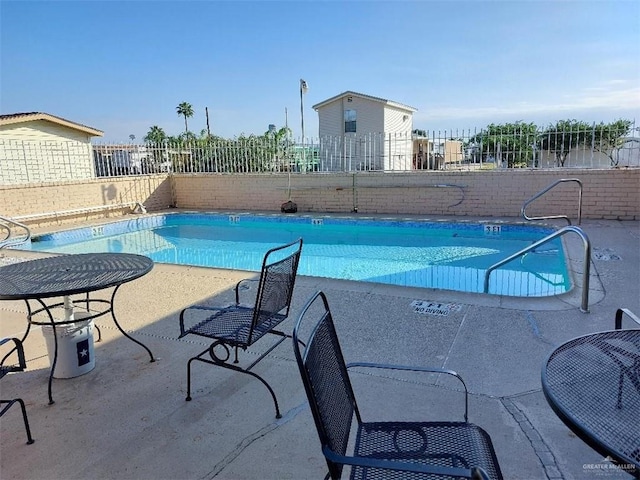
[154,192]
[607,194]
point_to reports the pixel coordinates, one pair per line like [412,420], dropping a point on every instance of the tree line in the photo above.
[518,142]
[207,152]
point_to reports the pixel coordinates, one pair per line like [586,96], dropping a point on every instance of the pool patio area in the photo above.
[128,418]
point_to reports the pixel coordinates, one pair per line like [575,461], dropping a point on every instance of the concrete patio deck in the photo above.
[128,418]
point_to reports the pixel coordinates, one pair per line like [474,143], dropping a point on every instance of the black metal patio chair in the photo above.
[237,326]
[381,450]
[5,368]
[621,313]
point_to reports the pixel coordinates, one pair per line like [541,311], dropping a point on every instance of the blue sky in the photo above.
[122,67]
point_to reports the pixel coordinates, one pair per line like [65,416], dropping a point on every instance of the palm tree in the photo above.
[156,138]
[186,110]
[155,135]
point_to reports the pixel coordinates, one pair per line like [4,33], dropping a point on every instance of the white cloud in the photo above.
[611,97]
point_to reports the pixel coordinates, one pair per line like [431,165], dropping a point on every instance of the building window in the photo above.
[349,121]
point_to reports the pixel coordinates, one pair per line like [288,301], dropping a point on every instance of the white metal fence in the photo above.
[518,146]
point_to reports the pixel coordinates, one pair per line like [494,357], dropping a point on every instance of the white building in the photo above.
[39,147]
[361,132]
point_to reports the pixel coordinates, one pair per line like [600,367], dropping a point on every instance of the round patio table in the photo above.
[592,383]
[37,281]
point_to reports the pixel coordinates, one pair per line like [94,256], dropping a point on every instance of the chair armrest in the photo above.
[475,473]
[240,283]
[196,307]
[629,313]
[19,349]
[410,368]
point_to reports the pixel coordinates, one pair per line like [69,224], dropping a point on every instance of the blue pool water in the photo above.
[452,256]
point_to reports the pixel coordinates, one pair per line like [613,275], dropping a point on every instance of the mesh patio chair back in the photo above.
[275,289]
[326,382]
[380,450]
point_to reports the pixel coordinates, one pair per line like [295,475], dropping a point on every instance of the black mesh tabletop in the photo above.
[593,384]
[70,274]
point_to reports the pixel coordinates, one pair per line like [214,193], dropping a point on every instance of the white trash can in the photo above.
[75,347]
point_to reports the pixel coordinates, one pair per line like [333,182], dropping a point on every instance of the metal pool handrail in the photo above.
[584,308]
[542,192]
[8,241]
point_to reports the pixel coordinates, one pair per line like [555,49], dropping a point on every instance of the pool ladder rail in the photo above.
[584,306]
[542,192]
[8,227]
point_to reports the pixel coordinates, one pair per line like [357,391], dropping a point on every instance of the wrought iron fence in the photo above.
[496,146]
[513,146]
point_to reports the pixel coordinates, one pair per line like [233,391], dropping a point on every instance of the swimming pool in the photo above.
[451,256]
